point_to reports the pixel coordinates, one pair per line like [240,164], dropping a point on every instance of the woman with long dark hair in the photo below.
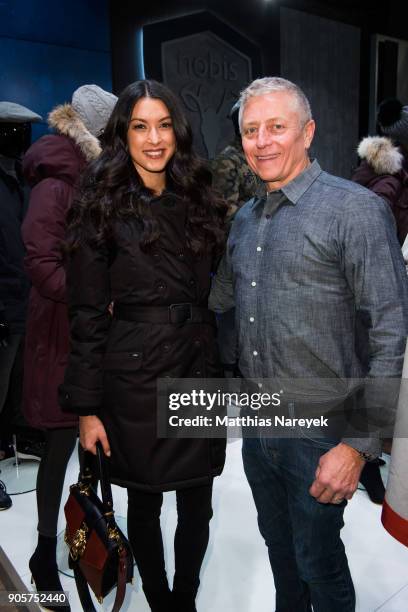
[144,235]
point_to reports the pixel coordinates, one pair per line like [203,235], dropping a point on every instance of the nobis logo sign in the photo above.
[208,75]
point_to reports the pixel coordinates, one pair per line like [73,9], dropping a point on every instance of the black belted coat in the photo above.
[114,364]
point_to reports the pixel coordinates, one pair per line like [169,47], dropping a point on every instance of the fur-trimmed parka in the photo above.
[384,170]
[52,167]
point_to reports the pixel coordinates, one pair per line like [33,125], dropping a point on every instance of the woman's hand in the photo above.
[91,430]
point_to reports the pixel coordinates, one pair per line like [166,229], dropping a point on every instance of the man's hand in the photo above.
[91,430]
[337,475]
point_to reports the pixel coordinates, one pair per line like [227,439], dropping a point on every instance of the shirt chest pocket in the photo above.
[282,263]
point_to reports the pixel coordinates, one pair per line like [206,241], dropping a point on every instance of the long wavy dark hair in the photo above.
[111,188]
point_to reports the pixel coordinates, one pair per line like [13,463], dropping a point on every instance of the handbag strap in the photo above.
[105,484]
[92,464]
[83,588]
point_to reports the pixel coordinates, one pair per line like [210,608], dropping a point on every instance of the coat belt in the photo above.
[176,314]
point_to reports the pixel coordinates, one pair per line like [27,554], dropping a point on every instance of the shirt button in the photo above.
[192,281]
[255,353]
[166,347]
[268,216]
[251,319]
[197,342]
[259,248]
[181,255]
[253,283]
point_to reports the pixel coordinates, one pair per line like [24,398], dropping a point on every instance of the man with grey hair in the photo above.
[306,259]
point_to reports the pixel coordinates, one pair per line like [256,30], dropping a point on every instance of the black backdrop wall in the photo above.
[326,47]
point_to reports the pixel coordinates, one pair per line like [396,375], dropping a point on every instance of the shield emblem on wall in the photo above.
[208,74]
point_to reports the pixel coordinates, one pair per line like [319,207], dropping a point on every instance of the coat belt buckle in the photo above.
[180,313]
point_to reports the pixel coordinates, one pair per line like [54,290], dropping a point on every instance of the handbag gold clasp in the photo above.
[78,544]
[113,534]
[84,488]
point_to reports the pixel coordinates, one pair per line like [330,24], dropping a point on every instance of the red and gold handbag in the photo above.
[99,553]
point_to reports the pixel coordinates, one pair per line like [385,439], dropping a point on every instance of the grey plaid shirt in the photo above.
[302,265]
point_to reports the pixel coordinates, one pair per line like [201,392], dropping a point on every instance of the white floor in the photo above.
[236,576]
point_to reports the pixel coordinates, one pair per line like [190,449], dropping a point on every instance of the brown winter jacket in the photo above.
[52,167]
[384,170]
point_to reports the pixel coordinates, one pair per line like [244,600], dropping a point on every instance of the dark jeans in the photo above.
[307,556]
[194,513]
[11,388]
[12,420]
[8,356]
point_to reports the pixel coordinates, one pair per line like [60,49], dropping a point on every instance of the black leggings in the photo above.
[190,542]
[50,478]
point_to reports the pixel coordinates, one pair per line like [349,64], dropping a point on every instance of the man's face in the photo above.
[273,138]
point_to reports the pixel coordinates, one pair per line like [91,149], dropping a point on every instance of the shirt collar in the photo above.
[295,188]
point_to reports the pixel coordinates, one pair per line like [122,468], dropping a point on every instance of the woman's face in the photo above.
[151,141]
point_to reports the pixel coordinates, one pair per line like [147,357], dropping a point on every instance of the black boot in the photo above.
[184,594]
[371,480]
[44,570]
[159,598]
[183,601]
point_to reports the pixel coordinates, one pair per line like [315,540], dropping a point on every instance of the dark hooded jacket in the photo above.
[52,167]
[384,170]
[14,284]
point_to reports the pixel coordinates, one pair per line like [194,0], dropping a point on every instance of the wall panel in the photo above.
[48,49]
[323,57]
